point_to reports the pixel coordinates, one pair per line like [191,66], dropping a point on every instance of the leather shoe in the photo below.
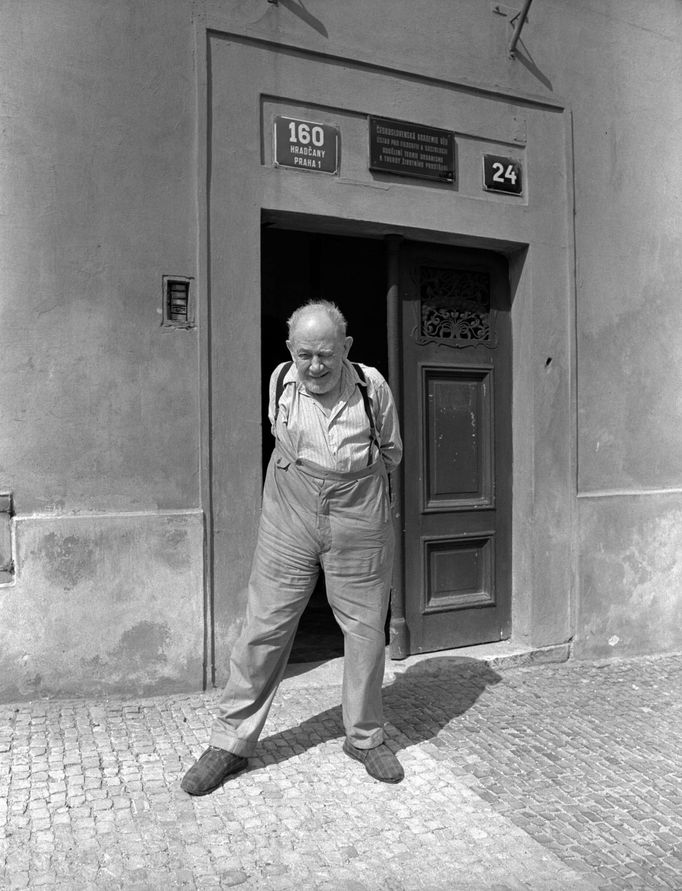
[380,762]
[211,771]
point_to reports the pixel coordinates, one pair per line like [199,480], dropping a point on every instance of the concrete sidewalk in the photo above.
[553,776]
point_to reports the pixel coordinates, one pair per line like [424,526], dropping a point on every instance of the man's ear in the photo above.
[290,347]
[347,344]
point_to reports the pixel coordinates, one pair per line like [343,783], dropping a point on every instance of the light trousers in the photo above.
[313,518]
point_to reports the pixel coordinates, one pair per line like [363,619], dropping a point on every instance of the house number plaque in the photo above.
[306,145]
[502,174]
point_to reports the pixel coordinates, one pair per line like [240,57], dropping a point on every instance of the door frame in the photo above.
[516,257]
[394,241]
[535,234]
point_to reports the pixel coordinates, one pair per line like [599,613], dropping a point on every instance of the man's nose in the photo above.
[316,363]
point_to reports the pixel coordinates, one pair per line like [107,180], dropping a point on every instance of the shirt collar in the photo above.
[349,378]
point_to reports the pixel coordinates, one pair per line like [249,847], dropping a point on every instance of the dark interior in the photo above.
[300,266]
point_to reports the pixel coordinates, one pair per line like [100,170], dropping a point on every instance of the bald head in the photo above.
[318,345]
[313,308]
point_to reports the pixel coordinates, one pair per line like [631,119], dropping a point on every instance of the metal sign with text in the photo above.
[306,145]
[405,149]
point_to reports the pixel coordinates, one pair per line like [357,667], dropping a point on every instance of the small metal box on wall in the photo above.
[177,302]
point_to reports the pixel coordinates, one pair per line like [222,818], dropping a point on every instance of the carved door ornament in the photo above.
[455,307]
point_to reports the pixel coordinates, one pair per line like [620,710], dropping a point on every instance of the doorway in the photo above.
[299,266]
[454,486]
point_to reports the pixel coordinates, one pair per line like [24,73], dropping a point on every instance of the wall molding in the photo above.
[110,515]
[625,493]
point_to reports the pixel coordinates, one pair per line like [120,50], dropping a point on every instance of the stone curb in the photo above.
[494,656]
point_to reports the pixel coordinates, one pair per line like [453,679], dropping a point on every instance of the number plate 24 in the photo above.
[502,174]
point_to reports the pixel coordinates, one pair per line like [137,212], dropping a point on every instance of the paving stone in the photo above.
[533,777]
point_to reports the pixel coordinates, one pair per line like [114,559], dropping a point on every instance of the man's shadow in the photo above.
[419,703]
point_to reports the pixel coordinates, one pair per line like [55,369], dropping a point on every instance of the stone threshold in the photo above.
[504,654]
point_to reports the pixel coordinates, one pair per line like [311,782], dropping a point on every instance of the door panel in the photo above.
[459,572]
[457,433]
[456,406]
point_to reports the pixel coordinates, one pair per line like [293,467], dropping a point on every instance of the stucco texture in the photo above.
[113,141]
[104,605]
[99,403]
[628,247]
[630,576]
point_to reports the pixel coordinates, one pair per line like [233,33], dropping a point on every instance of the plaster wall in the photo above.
[103,154]
[104,604]
[615,66]
[627,132]
[99,406]
[631,575]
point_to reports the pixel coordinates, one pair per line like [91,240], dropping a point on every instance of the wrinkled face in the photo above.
[318,348]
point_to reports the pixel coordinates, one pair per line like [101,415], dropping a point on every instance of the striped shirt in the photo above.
[339,440]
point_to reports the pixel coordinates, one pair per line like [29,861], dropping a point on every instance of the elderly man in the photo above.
[325,504]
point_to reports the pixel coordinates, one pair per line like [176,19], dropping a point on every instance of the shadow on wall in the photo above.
[299,10]
[449,686]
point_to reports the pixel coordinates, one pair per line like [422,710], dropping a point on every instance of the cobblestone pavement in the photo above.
[535,777]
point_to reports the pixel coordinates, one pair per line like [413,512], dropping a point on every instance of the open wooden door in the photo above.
[457,473]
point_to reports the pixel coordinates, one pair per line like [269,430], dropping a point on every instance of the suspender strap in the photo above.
[279,387]
[368,411]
